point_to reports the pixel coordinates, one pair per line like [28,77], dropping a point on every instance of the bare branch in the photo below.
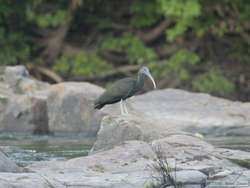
[154,33]
[46,72]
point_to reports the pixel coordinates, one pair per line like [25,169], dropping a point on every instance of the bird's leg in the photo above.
[125,108]
[121,107]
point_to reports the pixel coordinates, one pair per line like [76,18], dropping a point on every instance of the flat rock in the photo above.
[26,180]
[183,148]
[235,180]
[189,177]
[123,166]
[183,151]
[117,129]
[190,153]
[188,111]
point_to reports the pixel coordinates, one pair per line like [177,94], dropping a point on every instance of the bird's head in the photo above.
[145,70]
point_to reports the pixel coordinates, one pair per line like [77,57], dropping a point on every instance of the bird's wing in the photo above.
[120,89]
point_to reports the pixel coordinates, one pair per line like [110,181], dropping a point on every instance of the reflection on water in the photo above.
[231,142]
[25,149]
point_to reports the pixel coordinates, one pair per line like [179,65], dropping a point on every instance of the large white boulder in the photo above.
[70,108]
[187,111]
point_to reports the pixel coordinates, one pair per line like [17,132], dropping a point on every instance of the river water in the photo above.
[25,149]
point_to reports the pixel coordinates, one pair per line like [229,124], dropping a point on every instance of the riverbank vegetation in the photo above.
[197,45]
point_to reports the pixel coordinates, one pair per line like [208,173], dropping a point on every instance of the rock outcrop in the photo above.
[18,104]
[161,128]
[194,160]
[28,105]
[67,107]
[115,130]
[124,166]
[192,163]
[192,112]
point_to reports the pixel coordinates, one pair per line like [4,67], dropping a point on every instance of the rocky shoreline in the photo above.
[126,147]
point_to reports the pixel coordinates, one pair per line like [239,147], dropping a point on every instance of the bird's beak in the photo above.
[151,78]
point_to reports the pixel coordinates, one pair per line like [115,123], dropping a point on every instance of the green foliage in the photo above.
[180,62]
[82,64]
[178,65]
[239,52]
[180,8]
[48,19]
[145,13]
[27,27]
[182,11]
[14,44]
[245,6]
[135,49]
[213,82]
[14,48]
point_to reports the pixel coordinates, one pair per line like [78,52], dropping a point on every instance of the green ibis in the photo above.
[123,89]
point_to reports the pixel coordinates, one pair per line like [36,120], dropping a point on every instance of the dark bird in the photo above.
[123,89]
